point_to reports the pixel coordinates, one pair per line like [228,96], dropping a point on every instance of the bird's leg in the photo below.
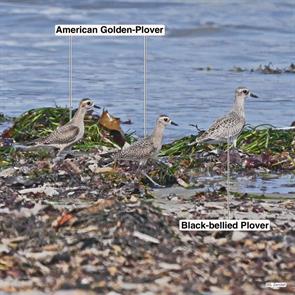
[155,184]
[229,146]
[236,148]
[140,169]
[235,143]
[228,179]
[59,156]
[60,152]
[67,151]
[233,147]
[141,166]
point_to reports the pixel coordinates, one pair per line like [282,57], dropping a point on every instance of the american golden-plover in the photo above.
[73,131]
[146,148]
[229,126]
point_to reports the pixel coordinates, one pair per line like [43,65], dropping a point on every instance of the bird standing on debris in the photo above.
[227,129]
[147,148]
[65,136]
[229,126]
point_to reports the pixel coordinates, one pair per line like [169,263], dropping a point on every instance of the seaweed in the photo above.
[253,140]
[40,122]
[262,69]
[264,145]
[37,123]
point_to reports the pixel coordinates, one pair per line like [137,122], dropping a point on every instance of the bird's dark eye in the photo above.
[166,119]
[89,103]
[245,91]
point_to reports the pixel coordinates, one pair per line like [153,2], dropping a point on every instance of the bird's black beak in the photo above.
[253,95]
[173,123]
[96,107]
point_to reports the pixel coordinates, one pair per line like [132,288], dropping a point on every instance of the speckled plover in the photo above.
[65,136]
[229,126]
[147,148]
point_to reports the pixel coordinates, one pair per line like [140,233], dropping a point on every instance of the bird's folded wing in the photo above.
[62,135]
[222,127]
[140,149]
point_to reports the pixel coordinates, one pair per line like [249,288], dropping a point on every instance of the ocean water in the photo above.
[216,34]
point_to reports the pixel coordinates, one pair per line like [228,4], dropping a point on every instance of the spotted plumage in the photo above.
[141,150]
[63,135]
[70,133]
[147,148]
[231,125]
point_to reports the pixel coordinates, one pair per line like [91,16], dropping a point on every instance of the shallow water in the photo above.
[220,34]
[269,185]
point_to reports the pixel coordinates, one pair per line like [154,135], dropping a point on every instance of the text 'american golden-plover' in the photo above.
[229,126]
[67,135]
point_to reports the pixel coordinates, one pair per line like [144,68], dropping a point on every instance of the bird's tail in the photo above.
[109,157]
[28,144]
[200,139]
[109,154]
[23,146]
[30,147]
[203,139]
[114,153]
[194,142]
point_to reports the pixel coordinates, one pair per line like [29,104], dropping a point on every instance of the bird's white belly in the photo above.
[80,134]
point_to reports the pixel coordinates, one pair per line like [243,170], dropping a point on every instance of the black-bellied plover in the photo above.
[229,126]
[227,129]
[146,148]
[73,131]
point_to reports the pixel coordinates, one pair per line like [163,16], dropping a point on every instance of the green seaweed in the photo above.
[37,123]
[40,122]
[6,156]
[253,140]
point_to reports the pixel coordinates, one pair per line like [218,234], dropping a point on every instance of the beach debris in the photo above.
[7,172]
[100,133]
[263,69]
[238,236]
[145,237]
[48,191]
[102,232]
[113,125]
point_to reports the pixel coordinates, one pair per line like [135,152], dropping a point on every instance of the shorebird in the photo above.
[65,136]
[228,127]
[146,148]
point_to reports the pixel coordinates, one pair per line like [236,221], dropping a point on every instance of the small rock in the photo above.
[238,236]
[209,240]
[48,191]
[7,172]
[92,167]
[169,266]
[103,170]
[133,199]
